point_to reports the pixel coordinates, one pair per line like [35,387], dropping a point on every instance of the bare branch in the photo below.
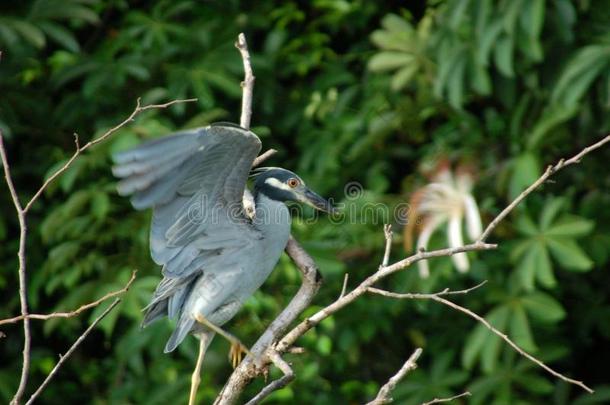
[439,400]
[23,296]
[7,175]
[437,297]
[248,84]
[446,291]
[75,312]
[387,231]
[290,338]
[62,359]
[276,384]
[264,157]
[548,173]
[383,396]
[344,288]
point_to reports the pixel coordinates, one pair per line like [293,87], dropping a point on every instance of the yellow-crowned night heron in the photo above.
[214,255]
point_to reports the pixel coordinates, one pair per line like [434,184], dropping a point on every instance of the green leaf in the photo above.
[503,56]
[29,32]
[526,170]
[570,226]
[553,116]
[403,76]
[100,205]
[550,211]
[472,347]
[491,350]
[525,225]
[389,60]
[455,84]
[536,264]
[532,17]
[61,35]
[569,255]
[520,330]
[534,383]
[324,345]
[543,307]
[488,39]
[584,67]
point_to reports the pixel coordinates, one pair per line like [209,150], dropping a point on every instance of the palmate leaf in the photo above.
[568,254]
[555,235]
[543,307]
[512,318]
[536,265]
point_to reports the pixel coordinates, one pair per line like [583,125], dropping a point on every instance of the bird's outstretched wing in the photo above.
[194,180]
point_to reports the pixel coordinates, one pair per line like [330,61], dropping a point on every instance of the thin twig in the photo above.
[344,288]
[387,231]
[439,400]
[263,157]
[290,338]
[552,169]
[62,359]
[446,291]
[383,396]
[248,84]
[75,312]
[437,297]
[23,295]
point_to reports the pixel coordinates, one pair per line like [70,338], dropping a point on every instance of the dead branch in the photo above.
[438,298]
[552,169]
[62,359]
[383,396]
[248,84]
[439,400]
[75,312]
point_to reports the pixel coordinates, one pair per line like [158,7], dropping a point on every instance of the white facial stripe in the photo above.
[272,181]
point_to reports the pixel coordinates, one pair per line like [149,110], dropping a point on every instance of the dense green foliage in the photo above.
[346,91]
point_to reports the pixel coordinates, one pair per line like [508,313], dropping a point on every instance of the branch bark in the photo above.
[440,400]
[383,396]
[75,312]
[248,84]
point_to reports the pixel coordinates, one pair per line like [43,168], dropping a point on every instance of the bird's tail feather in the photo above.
[155,311]
[183,327]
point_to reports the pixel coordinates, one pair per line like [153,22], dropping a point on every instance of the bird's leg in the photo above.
[237,347]
[196,377]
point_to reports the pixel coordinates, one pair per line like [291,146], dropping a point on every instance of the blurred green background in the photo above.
[362,91]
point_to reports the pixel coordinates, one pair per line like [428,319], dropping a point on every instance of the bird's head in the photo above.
[283,185]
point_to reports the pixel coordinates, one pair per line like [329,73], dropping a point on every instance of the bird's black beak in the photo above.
[318,202]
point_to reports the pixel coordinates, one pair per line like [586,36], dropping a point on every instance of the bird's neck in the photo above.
[271,214]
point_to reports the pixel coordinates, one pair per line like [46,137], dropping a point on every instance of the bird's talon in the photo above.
[236,353]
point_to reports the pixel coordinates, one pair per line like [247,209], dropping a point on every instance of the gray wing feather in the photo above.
[194,181]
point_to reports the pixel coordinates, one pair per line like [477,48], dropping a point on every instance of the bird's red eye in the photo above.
[293,182]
